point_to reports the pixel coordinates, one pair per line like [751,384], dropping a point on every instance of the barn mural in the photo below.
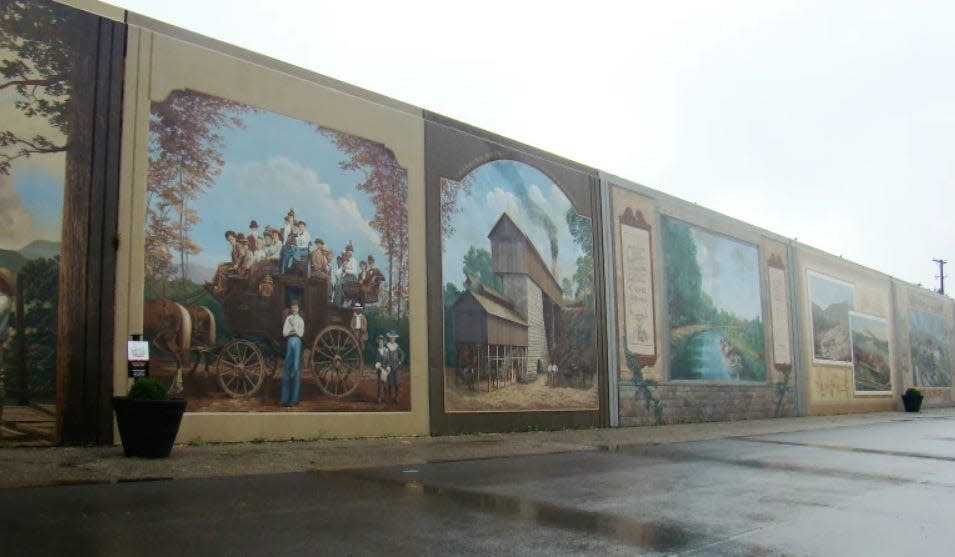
[518,294]
[276,261]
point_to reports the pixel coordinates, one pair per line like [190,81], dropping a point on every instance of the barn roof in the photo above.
[491,307]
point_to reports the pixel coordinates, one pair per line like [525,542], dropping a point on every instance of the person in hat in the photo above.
[321,259]
[244,264]
[395,358]
[373,275]
[293,329]
[381,366]
[218,280]
[287,226]
[359,325]
[347,273]
[296,246]
[273,244]
[256,243]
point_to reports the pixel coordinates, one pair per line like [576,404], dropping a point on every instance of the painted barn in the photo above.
[516,328]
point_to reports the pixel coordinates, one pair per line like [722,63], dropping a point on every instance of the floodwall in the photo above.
[309,259]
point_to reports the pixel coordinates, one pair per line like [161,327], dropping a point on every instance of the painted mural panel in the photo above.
[929,344]
[519,293]
[714,303]
[779,310]
[831,301]
[638,289]
[36,82]
[872,368]
[276,261]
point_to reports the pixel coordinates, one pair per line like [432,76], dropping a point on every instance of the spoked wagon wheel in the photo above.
[240,368]
[336,361]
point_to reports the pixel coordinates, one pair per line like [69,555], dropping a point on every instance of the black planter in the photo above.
[148,428]
[912,403]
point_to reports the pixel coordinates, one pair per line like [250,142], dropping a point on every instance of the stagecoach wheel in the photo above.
[240,368]
[336,361]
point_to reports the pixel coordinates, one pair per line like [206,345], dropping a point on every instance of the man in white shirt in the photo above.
[296,246]
[293,329]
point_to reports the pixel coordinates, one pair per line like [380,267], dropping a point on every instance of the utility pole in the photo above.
[941,274]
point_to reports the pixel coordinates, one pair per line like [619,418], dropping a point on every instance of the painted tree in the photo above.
[386,183]
[450,192]
[581,228]
[478,267]
[185,157]
[36,63]
[685,297]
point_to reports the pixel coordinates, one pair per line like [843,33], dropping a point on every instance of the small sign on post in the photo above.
[137,357]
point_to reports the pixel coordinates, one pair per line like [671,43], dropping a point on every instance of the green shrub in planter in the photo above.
[146,388]
[148,419]
[912,400]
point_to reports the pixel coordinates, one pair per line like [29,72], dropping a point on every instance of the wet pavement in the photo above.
[876,487]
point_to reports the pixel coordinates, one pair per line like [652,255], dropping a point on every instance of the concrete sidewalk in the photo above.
[26,467]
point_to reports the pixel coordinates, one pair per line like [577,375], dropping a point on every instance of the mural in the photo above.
[519,293]
[931,349]
[35,93]
[872,370]
[276,261]
[831,300]
[714,303]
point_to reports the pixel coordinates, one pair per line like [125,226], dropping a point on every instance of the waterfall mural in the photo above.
[714,305]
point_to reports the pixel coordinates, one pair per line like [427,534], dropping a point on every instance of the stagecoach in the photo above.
[255,307]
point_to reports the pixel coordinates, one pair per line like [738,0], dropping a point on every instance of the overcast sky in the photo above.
[831,122]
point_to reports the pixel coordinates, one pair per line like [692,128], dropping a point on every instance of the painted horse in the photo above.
[203,334]
[169,327]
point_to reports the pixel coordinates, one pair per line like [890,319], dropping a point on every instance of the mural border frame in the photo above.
[473,147]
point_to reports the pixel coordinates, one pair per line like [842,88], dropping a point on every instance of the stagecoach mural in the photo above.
[276,261]
[714,305]
[519,293]
[36,81]
[929,343]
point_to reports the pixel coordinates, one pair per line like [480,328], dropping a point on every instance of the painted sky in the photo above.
[730,273]
[515,188]
[31,197]
[927,323]
[788,115]
[276,163]
[878,328]
[824,292]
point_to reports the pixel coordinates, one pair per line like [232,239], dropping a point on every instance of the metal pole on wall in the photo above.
[941,274]
[21,343]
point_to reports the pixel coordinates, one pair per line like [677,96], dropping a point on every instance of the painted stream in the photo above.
[707,359]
